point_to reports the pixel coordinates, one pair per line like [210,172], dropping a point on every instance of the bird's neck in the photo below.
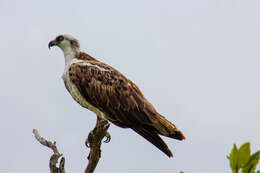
[69,53]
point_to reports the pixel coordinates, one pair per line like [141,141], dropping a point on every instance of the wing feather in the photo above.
[121,101]
[111,92]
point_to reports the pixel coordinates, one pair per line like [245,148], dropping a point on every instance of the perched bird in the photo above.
[110,95]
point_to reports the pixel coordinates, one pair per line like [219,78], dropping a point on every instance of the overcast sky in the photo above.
[196,61]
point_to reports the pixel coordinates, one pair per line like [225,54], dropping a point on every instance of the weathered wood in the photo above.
[54,157]
[95,141]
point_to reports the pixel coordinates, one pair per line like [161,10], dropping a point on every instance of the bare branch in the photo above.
[95,141]
[56,155]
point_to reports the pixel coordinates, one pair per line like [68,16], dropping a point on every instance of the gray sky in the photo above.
[196,61]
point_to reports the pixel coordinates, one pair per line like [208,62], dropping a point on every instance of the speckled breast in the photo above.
[74,92]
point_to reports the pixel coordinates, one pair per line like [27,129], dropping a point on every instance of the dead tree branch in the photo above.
[55,156]
[93,142]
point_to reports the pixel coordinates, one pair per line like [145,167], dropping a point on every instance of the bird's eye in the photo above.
[60,38]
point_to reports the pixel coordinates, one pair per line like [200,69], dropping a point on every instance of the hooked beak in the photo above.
[52,43]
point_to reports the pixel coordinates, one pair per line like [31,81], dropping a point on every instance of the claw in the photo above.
[108,138]
[89,139]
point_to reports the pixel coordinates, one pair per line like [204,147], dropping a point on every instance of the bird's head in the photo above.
[66,42]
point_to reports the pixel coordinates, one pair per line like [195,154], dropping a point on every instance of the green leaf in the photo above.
[250,168]
[258,171]
[243,155]
[233,159]
[252,162]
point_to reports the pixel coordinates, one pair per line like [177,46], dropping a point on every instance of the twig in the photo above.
[56,155]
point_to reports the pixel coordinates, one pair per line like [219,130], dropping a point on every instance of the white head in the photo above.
[68,44]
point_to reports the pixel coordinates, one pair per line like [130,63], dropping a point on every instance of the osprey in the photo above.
[110,95]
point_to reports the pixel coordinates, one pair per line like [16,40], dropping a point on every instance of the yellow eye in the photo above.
[60,38]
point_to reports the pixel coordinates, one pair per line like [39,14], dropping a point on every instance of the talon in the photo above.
[108,138]
[89,139]
[86,143]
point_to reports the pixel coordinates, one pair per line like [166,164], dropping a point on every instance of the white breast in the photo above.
[74,92]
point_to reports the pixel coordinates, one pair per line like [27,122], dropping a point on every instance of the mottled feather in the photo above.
[120,100]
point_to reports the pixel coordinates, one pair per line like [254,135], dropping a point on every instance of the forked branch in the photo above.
[54,157]
[93,142]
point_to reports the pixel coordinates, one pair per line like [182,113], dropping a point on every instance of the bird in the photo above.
[110,95]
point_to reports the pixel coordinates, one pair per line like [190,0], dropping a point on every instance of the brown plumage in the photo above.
[118,98]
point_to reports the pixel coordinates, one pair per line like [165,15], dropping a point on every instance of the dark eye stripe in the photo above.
[60,38]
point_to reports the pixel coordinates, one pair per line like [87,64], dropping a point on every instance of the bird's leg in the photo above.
[94,141]
[102,125]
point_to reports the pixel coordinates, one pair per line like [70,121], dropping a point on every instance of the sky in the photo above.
[197,62]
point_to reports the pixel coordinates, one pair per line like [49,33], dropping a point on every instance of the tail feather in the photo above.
[166,128]
[150,134]
[177,135]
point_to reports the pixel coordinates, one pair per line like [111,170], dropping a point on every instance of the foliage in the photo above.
[241,161]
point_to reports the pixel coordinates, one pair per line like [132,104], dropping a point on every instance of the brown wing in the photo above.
[122,102]
[111,92]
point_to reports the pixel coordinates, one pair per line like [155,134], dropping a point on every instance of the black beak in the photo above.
[52,43]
